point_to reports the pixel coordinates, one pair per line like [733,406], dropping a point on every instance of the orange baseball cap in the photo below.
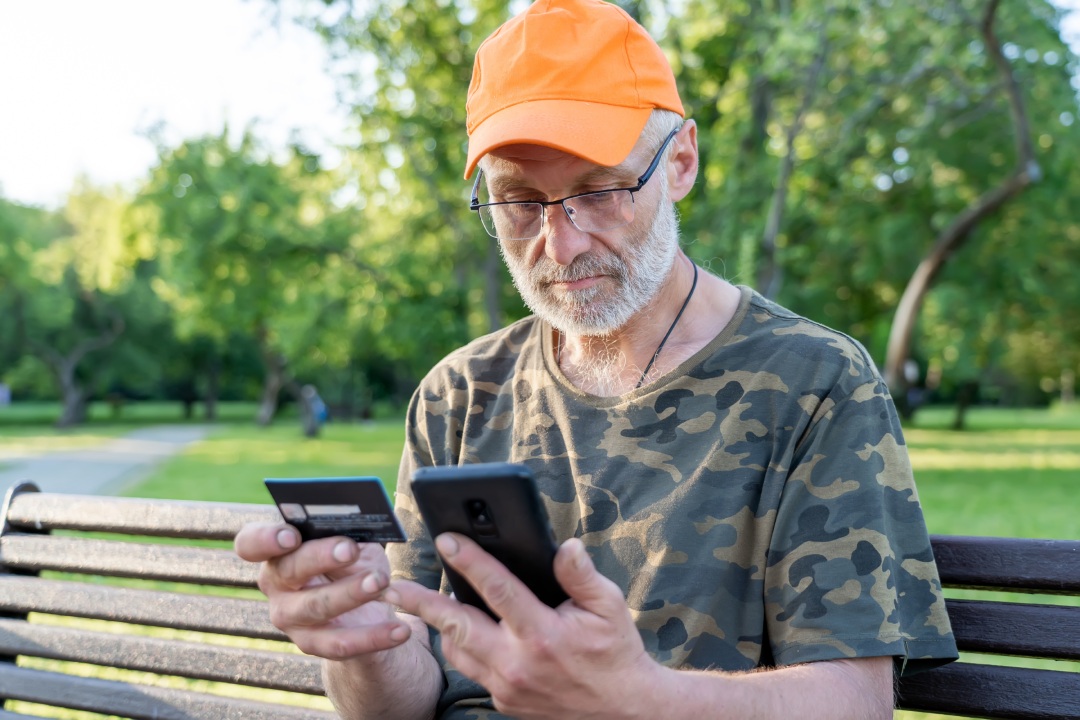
[580,76]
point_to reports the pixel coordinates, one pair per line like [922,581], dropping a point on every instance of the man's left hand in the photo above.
[583,659]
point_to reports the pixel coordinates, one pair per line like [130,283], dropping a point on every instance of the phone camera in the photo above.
[480,518]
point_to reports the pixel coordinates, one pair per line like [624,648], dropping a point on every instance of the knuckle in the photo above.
[457,631]
[541,645]
[498,592]
[316,605]
[515,677]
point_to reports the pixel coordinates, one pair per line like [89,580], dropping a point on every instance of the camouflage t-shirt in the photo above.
[756,505]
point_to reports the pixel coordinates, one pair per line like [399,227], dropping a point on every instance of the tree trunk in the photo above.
[1068,387]
[73,396]
[213,388]
[959,231]
[964,399]
[272,384]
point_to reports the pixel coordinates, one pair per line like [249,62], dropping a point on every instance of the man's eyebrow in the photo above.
[620,174]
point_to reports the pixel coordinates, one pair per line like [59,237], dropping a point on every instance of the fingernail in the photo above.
[372,583]
[391,596]
[399,634]
[579,556]
[448,546]
[343,551]
[286,539]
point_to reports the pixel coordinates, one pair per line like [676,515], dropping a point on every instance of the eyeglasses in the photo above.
[589,212]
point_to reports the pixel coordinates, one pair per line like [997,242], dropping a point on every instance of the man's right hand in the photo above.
[324,594]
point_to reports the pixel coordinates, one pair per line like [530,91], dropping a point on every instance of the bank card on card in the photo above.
[356,507]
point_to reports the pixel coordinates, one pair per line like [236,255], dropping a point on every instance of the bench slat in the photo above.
[243,666]
[135,516]
[139,702]
[1023,565]
[205,613]
[1043,631]
[208,566]
[991,691]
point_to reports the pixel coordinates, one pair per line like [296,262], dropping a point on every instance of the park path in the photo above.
[104,469]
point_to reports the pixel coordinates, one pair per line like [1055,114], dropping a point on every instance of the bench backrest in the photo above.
[56,564]
[1006,629]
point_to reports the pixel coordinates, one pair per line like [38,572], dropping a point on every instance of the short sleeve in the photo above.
[415,559]
[850,571]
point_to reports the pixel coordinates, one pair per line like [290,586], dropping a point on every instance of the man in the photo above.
[744,536]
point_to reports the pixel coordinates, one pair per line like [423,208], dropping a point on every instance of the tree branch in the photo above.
[959,231]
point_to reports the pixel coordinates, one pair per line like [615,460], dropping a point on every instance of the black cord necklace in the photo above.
[674,322]
[656,353]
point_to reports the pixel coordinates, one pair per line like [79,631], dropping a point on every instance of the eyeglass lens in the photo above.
[592,212]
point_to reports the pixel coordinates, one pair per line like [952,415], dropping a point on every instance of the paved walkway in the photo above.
[104,469]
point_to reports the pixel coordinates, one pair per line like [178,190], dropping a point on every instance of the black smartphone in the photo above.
[499,507]
[356,507]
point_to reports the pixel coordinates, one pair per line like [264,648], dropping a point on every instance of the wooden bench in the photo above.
[1006,630]
[55,564]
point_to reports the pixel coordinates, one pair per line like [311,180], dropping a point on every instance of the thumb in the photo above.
[583,582]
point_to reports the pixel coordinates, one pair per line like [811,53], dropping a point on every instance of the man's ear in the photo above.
[682,164]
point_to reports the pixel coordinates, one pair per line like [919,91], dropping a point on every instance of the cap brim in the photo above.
[601,134]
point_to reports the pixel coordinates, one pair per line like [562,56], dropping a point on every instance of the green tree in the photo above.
[73,292]
[251,245]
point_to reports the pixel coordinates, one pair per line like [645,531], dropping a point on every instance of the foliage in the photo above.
[77,298]
[839,139]
[903,130]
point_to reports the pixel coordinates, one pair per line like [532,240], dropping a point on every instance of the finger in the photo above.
[258,542]
[319,604]
[584,584]
[335,643]
[465,627]
[467,634]
[334,557]
[506,595]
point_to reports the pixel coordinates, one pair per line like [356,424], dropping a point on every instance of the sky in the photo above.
[80,82]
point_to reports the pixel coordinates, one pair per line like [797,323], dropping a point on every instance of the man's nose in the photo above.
[563,242]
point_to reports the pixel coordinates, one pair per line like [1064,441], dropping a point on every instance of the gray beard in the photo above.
[639,272]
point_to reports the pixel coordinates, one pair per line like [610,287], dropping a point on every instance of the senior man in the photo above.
[742,537]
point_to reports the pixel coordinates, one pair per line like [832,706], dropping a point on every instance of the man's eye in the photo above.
[597,199]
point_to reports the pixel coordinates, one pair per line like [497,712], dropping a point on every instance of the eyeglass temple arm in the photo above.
[644,178]
[475,201]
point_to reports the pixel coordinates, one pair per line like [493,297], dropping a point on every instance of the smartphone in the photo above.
[498,506]
[356,507]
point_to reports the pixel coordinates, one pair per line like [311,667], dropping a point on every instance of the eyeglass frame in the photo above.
[475,204]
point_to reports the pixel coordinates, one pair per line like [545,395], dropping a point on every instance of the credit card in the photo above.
[356,507]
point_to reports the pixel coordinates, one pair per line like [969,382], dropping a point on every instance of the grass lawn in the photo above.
[231,464]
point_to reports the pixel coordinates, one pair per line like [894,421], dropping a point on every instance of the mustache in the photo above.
[547,271]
